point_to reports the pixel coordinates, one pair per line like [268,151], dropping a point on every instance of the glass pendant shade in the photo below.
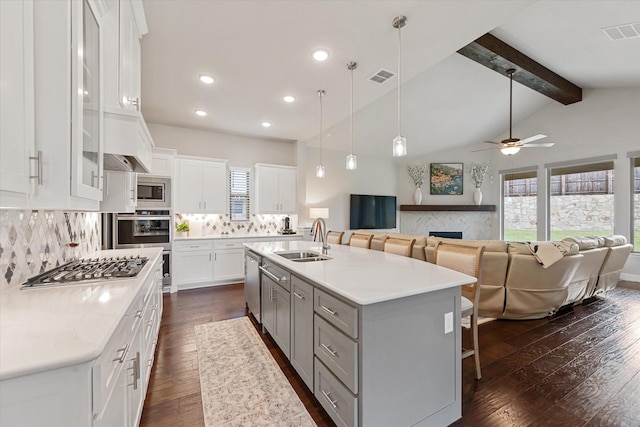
[399,146]
[352,162]
[509,151]
[319,171]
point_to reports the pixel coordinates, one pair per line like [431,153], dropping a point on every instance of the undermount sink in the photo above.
[303,256]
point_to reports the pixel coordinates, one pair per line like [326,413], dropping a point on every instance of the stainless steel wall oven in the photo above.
[144,228]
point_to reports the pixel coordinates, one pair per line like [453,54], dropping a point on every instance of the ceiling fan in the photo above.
[512,145]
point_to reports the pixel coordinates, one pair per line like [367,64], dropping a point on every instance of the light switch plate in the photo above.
[448,322]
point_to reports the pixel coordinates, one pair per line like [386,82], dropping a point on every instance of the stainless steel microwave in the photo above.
[154,192]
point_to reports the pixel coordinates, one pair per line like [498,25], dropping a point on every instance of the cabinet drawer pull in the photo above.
[326,347]
[328,397]
[298,296]
[328,310]
[123,353]
[272,276]
[138,314]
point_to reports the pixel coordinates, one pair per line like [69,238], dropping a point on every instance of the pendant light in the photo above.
[399,142]
[352,161]
[320,167]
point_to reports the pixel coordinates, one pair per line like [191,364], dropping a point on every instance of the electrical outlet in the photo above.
[448,322]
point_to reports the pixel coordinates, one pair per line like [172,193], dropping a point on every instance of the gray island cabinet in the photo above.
[380,342]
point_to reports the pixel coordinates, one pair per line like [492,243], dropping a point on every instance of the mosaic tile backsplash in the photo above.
[221,225]
[32,242]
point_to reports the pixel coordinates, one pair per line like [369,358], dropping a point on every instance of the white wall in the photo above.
[375,175]
[241,151]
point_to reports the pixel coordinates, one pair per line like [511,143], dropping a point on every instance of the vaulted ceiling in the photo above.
[259,51]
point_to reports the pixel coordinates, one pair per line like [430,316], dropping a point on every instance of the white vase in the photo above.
[417,196]
[477,196]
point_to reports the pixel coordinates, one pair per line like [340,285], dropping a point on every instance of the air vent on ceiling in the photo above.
[381,76]
[626,31]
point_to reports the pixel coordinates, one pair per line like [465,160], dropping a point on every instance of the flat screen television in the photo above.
[372,212]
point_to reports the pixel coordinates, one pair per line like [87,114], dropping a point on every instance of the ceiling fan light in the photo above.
[319,171]
[399,146]
[509,151]
[352,162]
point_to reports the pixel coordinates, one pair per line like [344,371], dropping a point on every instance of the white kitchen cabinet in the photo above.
[17,141]
[201,186]
[228,261]
[162,161]
[130,64]
[125,131]
[119,192]
[275,189]
[107,391]
[62,115]
[192,263]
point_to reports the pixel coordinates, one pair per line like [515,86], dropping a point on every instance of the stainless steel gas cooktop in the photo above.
[89,270]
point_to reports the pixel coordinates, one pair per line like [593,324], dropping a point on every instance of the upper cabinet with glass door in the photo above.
[86,105]
[56,133]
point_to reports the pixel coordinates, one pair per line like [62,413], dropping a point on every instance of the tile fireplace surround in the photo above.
[473,225]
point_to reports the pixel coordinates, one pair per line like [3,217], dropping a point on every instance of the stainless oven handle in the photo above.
[137,217]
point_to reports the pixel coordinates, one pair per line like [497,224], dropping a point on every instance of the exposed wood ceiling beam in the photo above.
[493,53]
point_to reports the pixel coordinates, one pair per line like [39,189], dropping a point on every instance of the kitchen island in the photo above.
[379,332]
[80,354]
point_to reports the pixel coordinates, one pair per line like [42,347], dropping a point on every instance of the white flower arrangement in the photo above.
[417,172]
[478,171]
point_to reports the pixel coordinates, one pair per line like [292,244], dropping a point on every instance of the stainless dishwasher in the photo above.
[252,284]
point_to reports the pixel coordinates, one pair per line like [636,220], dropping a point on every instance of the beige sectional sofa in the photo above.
[515,285]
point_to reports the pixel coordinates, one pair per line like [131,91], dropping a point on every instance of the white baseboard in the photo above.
[630,277]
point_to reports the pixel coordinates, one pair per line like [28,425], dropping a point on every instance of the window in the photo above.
[635,205]
[239,194]
[581,199]
[519,205]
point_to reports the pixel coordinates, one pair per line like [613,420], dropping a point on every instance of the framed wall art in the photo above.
[446,178]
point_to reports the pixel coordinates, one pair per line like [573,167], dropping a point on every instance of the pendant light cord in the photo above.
[399,79]
[510,102]
[351,108]
[320,94]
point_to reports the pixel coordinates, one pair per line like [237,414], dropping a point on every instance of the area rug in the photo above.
[242,385]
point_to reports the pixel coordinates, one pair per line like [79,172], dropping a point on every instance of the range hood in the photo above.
[127,141]
[122,163]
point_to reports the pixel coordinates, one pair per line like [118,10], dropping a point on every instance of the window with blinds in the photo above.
[239,197]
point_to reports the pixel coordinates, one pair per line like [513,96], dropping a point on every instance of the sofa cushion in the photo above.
[490,245]
[584,242]
[611,241]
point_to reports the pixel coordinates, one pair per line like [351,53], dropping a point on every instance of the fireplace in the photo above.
[446,234]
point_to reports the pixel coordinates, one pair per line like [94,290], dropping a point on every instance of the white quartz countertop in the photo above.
[248,236]
[51,327]
[364,276]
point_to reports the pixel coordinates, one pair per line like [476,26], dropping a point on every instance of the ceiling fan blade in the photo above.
[493,142]
[532,138]
[483,149]
[539,145]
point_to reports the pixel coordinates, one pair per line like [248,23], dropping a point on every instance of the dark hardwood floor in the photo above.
[578,368]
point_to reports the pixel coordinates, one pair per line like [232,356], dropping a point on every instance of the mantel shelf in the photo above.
[448,208]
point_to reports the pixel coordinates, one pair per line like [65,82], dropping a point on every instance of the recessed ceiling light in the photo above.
[266,124]
[320,54]
[201,113]
[206,79]
[289,98]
